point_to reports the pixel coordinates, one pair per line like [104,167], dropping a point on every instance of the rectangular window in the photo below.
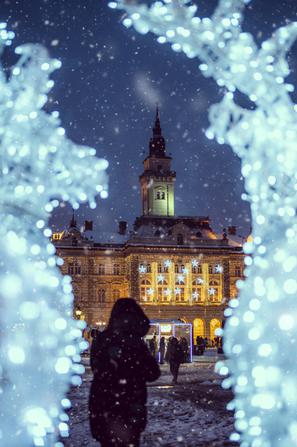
[116,269]
[101,269]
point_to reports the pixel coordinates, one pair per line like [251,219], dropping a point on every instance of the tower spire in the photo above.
[157,142]
[157,131]
[72,223]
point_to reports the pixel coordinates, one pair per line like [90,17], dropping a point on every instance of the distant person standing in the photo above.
[162,350]
[153,346]
[175,358]
[185,349]
[121,364]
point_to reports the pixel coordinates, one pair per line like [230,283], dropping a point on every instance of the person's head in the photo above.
[128,317]
[174,341]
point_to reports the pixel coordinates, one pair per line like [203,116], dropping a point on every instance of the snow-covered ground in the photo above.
[191,413]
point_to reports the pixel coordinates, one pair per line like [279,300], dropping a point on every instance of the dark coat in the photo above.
[122,365]
[175,352]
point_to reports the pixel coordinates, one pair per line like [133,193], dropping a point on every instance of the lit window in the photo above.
[146,292]
[101,269]
[116,269]
[197,269]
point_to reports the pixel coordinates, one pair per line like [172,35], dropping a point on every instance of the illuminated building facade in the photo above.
[176,267]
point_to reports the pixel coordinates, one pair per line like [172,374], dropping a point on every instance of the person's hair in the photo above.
[127,316]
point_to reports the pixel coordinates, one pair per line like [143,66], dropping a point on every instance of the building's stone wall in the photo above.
[102,276]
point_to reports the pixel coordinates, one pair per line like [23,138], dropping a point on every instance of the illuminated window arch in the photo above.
[198,328]
[214,324]
[197,269]
[145,291]
[159,194]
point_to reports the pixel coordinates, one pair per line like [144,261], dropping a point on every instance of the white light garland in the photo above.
[40,342]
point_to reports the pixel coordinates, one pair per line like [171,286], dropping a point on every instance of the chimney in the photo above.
[122,227]
[232,230]
[88,225]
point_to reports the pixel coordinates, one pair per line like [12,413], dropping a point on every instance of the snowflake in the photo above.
[160,278]
[177,290]
[180,278]
[150,291]
[218,268]
[195,263]
[167,292]
[167,263]
[195,295]
[211,291]
[185,271]
[142,268]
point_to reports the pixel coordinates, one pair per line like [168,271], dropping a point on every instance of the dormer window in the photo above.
[180,239]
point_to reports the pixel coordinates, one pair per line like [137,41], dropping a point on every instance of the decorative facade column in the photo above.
[154,266]
[188,282]
[205,277]
[226,281]
[171,282]
[134,278]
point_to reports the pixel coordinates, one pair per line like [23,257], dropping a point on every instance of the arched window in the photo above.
[213,292]
[162,268]
[146,291]
[101,295]
[198,328]
[179,268]
[101,269]
[214,324]
[180,239]
[197,291]
[116,269]
[197,269]
[159,194]
[210,269]
[163,292]
[115,294]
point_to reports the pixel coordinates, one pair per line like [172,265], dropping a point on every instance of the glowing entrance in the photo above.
[214,324]
[198,328]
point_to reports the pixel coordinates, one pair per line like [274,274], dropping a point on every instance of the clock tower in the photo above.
[157,179]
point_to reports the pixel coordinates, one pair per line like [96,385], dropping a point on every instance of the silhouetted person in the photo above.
[185,349]
[162,350]
[175,357]
[121,365]
[153,346]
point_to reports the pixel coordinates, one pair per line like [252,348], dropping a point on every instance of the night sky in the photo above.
[106,91]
